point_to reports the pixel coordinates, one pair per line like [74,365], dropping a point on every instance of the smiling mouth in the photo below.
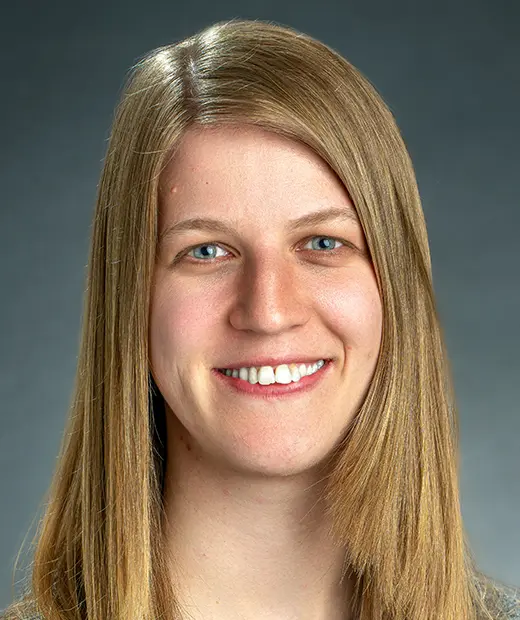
[270,388]
[268,375]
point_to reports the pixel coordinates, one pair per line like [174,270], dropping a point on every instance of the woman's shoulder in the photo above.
[502,600]
[15,614]
[21,610]
[511,603]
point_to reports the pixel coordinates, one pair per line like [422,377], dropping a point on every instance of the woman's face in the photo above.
[255,286]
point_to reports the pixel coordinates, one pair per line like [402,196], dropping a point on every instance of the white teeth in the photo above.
[283,374]
[253,375]
[295,373]
[266,375]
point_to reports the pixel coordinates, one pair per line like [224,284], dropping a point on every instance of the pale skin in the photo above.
[247,527]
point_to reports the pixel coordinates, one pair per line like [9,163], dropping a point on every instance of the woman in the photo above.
[265,428]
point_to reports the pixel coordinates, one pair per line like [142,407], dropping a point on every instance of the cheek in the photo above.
[180,323]
[354,310]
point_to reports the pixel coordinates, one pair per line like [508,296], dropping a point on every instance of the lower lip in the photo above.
[275,390]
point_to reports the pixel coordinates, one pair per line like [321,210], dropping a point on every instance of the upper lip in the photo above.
[274,361]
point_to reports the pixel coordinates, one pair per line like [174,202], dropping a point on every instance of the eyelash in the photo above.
[332,252]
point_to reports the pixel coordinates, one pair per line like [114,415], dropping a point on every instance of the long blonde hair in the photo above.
[392,487]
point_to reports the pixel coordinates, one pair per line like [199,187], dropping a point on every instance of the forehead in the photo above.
[254,145]
[247,173]
[212,154]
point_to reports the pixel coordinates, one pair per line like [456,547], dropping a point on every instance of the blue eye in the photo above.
[206,254]
[328,245]
[209,253]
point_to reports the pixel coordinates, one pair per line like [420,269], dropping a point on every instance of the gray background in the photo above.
[448,70]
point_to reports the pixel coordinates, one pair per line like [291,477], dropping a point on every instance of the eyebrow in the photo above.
[346,213]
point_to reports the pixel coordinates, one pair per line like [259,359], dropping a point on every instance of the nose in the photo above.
[270,298]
